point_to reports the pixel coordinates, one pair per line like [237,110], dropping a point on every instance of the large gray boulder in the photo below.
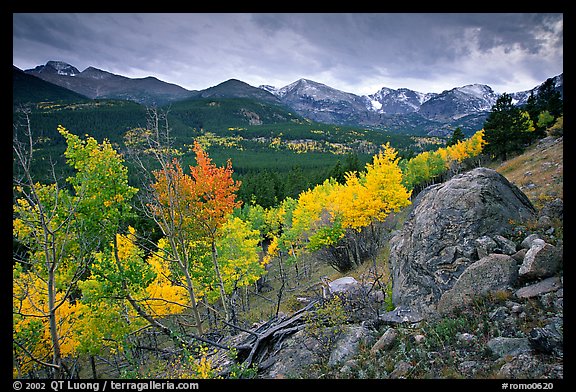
[438,241]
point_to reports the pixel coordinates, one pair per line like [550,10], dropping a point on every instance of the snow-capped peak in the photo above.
[315,90]
[477,90]
[56,67]
[63,68]
[402,100]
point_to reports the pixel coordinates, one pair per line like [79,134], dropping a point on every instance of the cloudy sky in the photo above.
[356,52]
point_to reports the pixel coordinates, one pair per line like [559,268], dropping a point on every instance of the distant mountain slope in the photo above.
[323,103]
[400,101]
[96,83]
[234,88]
[217,112]
[28,88]
[521,97]
[459,102]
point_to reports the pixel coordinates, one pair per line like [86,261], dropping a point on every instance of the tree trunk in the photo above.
[53,322]
[190,289]
[183,264]
[220,281]
[93,366]
[283,279]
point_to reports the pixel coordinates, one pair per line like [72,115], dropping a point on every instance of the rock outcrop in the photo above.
[451,226]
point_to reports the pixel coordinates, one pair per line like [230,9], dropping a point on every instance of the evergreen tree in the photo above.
[507,128]
[549,99]
[457,136]
[533,108]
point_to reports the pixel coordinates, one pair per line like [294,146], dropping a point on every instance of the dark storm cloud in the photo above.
[354,52]
[416,43]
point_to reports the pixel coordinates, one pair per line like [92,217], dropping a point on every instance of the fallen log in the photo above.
[273,333]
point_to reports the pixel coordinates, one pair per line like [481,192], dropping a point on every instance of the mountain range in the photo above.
[401,110]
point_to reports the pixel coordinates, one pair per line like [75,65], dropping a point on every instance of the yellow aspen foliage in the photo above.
[475,145]
[383,181]
[457,152]
[104,324]
[464,149]
[352,204]
[204,369]
[374,194]
[166,296]
[238,247]
[272,251]
[323,213]
[417,169]
[193,366]
[31,329]
[427,165]
[311,204]
[120,271]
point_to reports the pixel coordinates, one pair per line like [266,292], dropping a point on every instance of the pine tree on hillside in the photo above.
[549,99]
[457,136]
[507,129]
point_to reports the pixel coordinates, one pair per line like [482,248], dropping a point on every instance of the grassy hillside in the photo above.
[538,172]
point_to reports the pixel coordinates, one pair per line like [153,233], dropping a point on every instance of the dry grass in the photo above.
[538,172]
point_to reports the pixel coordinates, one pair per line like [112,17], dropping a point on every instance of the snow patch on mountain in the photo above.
[55,67]
[270,89]
[375,104]
[400,101]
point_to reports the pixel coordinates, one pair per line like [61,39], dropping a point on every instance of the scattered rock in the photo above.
[401,370]
[528,241]
[386,341]
[536,289]
[344,285]
[549,339]
[554,209]
[349,366]
[485,245]
[506,246]
[519,256]
[466,339]
[294,358]
[419,339]
[499,314]
[517,367]
[503,346]
[468,368]
[401,315]
[544,222]
[347,346]
[541,261]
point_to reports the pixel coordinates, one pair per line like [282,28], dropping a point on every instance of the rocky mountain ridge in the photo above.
[402,110]
[95,83]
